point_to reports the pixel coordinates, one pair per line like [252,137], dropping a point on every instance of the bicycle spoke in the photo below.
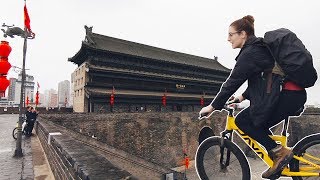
[214,171]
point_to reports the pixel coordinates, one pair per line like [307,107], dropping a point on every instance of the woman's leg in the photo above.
[289,103]
[260,134]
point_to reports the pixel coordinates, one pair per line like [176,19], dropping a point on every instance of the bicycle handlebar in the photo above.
[226,107]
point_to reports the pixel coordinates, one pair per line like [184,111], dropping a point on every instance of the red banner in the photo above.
[26,18]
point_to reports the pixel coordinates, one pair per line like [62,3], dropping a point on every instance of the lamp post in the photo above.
[11,32]
[18,151]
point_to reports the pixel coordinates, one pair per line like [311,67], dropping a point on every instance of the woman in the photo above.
[269,105]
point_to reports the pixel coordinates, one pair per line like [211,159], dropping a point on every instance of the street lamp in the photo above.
[11,32]
[18,69]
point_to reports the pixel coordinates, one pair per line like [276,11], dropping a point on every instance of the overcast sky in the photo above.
[189,26]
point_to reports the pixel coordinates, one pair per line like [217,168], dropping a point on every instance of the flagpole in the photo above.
[27,32]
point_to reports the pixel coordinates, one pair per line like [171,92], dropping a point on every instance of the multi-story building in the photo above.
[78,81]
[4,102]
[141,77]
[29,88]
[52,99]
[64,93]
[12,88]
[46,98]
[42,100]
[71,91]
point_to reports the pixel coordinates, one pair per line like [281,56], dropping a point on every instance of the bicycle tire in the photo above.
[311,145]
[212,170]
[15,133]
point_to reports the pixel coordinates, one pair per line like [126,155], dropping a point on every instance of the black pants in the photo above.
[289,103]
[29,126]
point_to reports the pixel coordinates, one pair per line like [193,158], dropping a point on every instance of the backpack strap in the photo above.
[276,69]
[269,83]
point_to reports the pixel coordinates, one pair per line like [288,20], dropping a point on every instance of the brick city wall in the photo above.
[53,152]
[303,126]
[69,159]
[161,137]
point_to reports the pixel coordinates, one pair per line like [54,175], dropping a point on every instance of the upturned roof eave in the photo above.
[79,57]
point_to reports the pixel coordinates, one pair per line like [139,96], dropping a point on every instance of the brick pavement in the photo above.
[12,168]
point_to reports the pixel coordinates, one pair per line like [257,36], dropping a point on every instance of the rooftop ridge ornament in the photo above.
[88,37]
[11,31]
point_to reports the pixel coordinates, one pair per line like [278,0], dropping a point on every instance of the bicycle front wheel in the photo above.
[15,133]
[214,162]
[309,149]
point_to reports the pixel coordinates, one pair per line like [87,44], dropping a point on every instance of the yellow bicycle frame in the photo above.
[261,152]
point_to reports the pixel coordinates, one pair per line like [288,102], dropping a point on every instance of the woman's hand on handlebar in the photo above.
[234,100]
[205,112]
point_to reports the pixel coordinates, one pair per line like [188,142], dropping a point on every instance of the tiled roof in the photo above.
[111,44]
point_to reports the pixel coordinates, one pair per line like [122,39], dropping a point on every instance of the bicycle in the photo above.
[15,130]
[218,157]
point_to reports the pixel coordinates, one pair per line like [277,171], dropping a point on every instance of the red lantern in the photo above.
[112,99]
[5,49]
[4,83]
[37,98]
[4,66]
[164,100]
[186,162]
[202,101]
[27,101]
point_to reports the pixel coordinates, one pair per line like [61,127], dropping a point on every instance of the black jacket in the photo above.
[254,63]
[31,116]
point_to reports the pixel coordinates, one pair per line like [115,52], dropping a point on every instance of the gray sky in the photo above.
[194,27]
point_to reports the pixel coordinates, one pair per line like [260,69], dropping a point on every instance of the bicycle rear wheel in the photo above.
[15,133]
[208,158]
[307,148]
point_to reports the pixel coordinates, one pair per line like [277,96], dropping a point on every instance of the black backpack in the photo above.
[292,56]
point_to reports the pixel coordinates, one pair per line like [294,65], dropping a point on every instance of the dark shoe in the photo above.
[281,159]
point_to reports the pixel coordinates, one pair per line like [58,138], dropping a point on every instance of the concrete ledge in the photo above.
[70,159]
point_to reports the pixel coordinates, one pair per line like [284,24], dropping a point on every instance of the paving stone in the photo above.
[13,168]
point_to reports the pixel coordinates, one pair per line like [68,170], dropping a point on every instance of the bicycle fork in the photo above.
[224,161]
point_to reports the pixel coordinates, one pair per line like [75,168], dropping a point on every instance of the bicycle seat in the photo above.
[298,113]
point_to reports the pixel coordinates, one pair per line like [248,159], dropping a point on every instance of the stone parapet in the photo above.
[70,159]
